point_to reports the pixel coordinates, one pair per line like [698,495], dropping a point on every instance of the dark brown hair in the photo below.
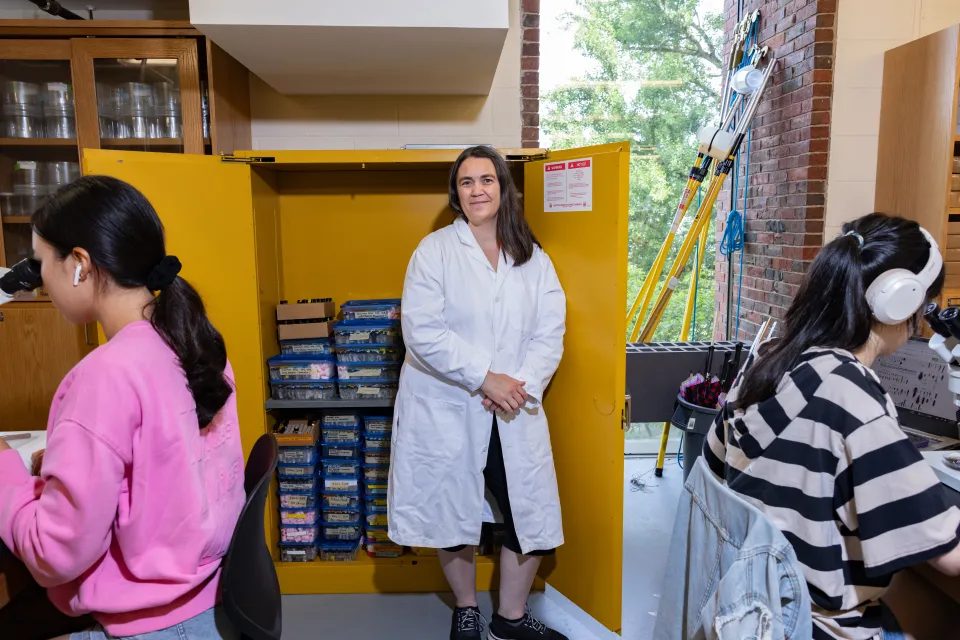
[121,231]
[513,233]
[831,308]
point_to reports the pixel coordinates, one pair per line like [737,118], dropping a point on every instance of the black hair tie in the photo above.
[163,275]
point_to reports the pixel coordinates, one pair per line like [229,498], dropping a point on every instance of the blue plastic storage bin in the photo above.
[370,353]
[296,534]
[376,456]
[339,551]
[377,424]
[341,450]
[376,472]
[340,500]
[297,455]
[308,348]
[341,467]
[354,333]
[371,389]
[340,420]
[298,484]
[296,470]
[302,390]
[342,532]
[378,443]
[301,368]
[341,516]
[296,552]
[385,309]
[297,500]
[368,370]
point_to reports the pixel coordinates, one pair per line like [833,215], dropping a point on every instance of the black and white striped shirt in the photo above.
[826,461]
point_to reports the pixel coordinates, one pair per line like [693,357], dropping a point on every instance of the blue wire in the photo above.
[679,452]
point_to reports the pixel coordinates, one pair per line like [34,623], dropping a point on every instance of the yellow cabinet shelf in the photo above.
[406,574]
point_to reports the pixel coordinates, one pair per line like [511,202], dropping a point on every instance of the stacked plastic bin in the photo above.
[297,483]
[377,431]
[341,506]
[369,348]
[306,367]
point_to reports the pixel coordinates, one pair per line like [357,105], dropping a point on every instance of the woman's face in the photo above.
[479,190]
[75,302]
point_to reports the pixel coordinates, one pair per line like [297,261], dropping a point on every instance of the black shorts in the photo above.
[495,477]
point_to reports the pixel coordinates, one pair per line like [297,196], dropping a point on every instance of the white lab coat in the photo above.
[461,319]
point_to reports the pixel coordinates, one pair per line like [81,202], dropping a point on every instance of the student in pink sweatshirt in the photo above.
[141,484]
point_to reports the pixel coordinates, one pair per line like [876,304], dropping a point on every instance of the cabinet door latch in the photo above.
[251,160]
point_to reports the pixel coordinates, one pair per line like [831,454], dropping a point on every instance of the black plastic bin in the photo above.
[695,422]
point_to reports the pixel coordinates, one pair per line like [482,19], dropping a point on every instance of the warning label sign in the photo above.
[568,185]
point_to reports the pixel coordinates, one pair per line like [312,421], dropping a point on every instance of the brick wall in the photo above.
[784,217]
[530,72]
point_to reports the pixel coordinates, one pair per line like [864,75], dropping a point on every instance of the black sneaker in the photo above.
[527,628]
[467,624]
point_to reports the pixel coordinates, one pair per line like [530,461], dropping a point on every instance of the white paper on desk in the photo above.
[26,448]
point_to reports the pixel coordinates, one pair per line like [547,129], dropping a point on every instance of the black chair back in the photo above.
[249,585]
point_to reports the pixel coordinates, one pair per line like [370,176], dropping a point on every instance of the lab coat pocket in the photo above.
[433,428]
[535,433]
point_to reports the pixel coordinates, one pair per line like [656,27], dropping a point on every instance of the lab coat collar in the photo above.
[468,239]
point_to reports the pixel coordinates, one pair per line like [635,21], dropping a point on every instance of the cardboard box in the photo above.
[955,182]
[297,433]
[955,199]
[304,331]
[306,311]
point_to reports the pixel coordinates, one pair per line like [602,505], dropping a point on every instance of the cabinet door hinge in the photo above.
[251,160]
[627,410]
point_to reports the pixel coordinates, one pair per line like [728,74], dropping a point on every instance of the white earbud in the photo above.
[76,275]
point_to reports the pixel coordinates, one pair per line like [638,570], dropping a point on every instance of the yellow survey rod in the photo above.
[696,228]
[642,301]
[684,336]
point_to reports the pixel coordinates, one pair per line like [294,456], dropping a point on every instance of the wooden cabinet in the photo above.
[72,85]
[919,148]
[37,348]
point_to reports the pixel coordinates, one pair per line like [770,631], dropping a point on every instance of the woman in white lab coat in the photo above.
[483,321]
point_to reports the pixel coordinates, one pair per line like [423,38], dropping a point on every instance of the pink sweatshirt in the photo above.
[135,505]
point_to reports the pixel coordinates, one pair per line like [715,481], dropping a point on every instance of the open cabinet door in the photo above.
[586,400]
[206,206]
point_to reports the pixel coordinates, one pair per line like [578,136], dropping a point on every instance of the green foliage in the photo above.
[656,84]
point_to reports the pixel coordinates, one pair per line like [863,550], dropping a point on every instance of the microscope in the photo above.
[23,276]
[946,342]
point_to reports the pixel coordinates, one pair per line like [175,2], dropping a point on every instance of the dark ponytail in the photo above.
[120,230]
[831,309]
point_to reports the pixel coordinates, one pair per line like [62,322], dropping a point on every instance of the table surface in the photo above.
[26,448]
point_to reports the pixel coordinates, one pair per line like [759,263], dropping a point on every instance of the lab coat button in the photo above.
[499,349]
[484,449]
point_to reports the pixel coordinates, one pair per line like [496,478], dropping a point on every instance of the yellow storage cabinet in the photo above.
[264,226]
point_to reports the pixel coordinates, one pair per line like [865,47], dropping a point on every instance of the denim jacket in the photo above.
[731,574]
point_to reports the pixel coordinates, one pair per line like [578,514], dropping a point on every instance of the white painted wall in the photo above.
[282,122]
[865,30]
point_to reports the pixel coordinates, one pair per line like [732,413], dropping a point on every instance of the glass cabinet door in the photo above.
[139,95]
[38,135]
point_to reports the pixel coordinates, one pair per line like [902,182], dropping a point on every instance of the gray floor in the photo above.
[648,521]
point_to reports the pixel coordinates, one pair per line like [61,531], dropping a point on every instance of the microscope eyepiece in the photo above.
[931,313]
[23,276]
[950,317]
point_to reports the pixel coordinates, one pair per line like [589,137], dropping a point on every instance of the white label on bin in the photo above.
[368,391]
[291,552]
[26,165]
[58,86]
[360,337]
[691,423]
[287,372]
[369,315]
[368,373]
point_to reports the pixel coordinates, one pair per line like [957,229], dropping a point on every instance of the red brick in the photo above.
[531,106]
[531,6]
[530,63]
[530,133]
[530,77]
[531,35]
[531,49]
[531,120]
[530,91]
[531,21]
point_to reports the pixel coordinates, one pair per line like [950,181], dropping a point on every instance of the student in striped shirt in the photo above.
[811,438]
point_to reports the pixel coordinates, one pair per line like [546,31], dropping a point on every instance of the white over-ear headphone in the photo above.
[899,293]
